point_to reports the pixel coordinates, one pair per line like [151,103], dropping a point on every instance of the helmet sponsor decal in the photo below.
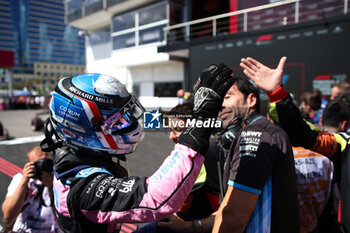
[84,95]
[70,113]
[127,186]
[68,133]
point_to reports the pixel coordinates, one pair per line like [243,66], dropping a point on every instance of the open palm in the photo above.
[265,78]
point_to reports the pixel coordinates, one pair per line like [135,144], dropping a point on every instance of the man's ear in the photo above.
[309,108]
[251,100]
[343,126]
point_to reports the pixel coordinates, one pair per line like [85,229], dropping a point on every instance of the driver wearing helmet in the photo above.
[92,119]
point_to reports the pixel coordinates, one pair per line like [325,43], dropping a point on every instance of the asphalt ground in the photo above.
[148,156]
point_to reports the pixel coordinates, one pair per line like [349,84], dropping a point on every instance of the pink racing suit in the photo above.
[94,200]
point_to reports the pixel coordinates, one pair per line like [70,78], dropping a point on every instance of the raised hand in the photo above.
[210,90]
[28,171]
[265,78]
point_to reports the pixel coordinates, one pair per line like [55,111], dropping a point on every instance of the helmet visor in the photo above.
[126,116]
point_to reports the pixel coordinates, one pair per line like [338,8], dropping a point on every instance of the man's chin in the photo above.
[226,122]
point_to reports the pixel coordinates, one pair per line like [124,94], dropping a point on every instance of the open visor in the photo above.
[126,116]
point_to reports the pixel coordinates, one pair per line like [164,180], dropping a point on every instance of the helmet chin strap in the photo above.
[126,163]
[52,143]
[127,166]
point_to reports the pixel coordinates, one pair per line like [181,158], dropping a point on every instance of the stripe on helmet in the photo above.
[91,112]
[64,90]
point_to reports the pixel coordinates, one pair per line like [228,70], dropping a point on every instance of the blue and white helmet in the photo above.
[96,112]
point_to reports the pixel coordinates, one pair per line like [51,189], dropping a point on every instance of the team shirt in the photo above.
[261,161]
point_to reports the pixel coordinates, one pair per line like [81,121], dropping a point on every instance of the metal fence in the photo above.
[265,16]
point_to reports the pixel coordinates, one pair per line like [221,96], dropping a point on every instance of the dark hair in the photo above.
[313,98]
[344,87]
[335,113]
[181,109]
[246,87]
[345,99]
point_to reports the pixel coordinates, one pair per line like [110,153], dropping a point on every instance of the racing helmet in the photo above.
[96,112]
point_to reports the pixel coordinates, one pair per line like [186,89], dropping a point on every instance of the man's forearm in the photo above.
[290,119]
[203,225]
[13,204]
[235,210]
[223,223]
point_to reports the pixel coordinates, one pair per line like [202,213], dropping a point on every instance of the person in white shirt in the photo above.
[28,206]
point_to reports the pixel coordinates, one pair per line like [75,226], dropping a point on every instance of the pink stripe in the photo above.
[10,174]
[132,226]
[10,165]
[128,228]
[63,191]
[9,169]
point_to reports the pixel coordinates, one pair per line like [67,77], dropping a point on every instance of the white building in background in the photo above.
[122,39]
